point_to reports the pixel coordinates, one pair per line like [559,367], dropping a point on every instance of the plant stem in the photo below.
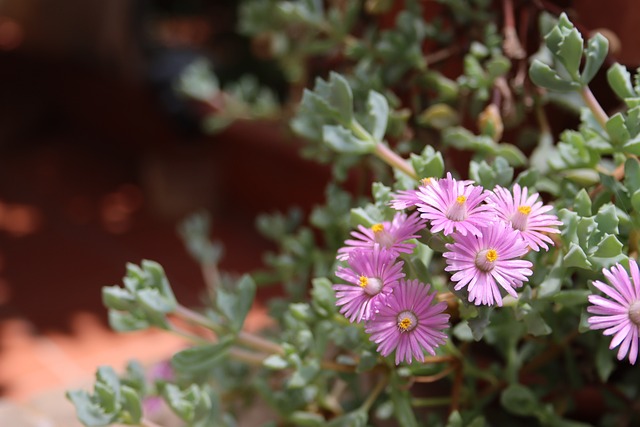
[259,343]
[197,318]
[244,338]
[187,335]
[394,160]
[511,45]
[246,356]
[430,401]
[594,106]
[374,393]
[383,152]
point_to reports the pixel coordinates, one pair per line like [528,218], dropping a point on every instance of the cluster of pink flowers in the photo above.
[491,231]
[399,314]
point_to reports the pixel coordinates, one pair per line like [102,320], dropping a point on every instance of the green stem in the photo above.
[394,160]
[187,335]
[375,393]
[594,106]
[430,401]
[259,343]
[197,318]
[244,338]
[383,152]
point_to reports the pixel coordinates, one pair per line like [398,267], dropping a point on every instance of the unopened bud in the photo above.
[490,122]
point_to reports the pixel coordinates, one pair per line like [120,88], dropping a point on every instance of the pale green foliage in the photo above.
[520,364]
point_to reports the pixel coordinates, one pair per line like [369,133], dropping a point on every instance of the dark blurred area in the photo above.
[99,159]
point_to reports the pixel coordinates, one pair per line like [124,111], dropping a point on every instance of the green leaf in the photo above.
[323,297]
[512,154]
[607,219]
[632,146]
[620,81]
[357,418]
[402,409]
[155,306]
[304,375]
[542,75]
[156,278]
[576,257]
[617,130]
[126,322]
[131,406]
[635,200]
[189,404]
[202,358]
[343,140]
[632,174]
[438,116]
[609,247]
[275,362]
[553,282]
[570,52]
[377,115]
[519,400]
[89,412]
[360,216]
[478,325]
[307,419]
[118,298]
[582,203]
[429,163]
[235,304]
[596,53]
[337,94]
[572,297]
[535,324]
[463,332]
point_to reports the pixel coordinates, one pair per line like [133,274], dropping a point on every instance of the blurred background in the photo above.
[100,160]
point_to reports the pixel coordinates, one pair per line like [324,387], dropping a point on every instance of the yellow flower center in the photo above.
[492,255]
[461,199]
[425,182]
[404,324]
[406,321]
[524,209]
[377,228]
[363,280]
[485,259]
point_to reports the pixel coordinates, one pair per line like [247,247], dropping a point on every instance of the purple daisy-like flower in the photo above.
[371,277]
[526,214]
[453,205]
[391,235]
[408,198]
[481,263]
[618,315]
[409,323]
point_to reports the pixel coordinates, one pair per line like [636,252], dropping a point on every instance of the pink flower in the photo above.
[525,214]
[409,323]
[453,205]
[371,277]
[408,198]
[482,263]
[389,235]
[618,315]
